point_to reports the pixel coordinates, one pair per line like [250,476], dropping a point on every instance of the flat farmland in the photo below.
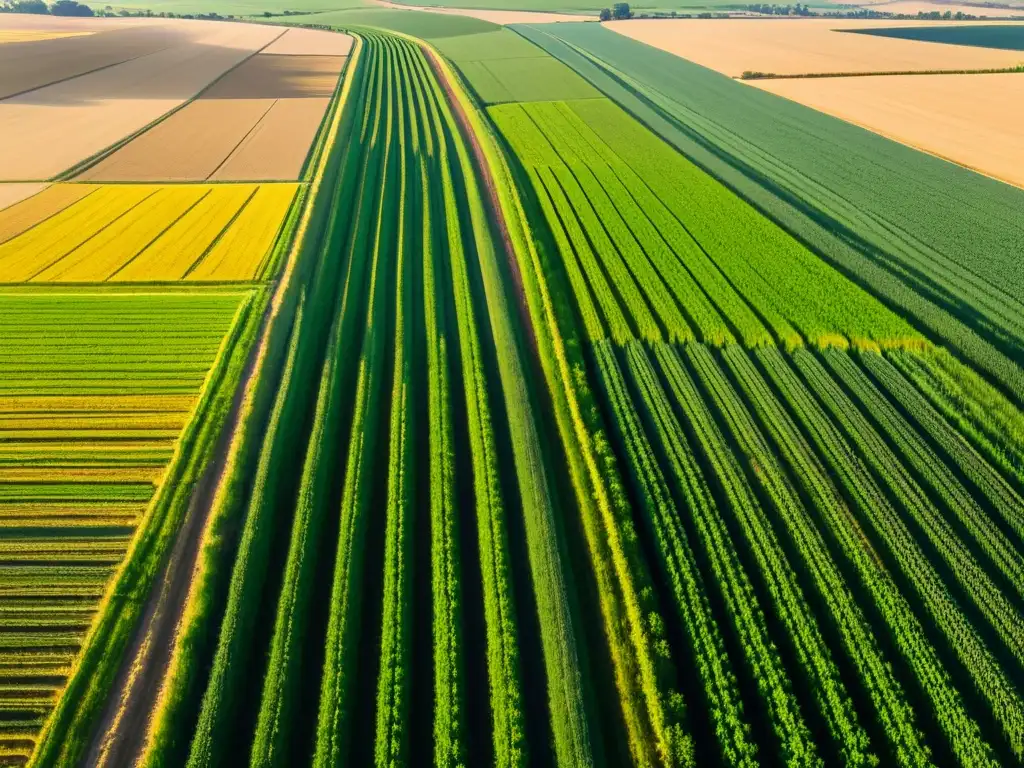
[63,124]
[29,35]
[309,42]
[95,391]
[973,120]
[96,233]
[255,124]
[804,46]
[13,193]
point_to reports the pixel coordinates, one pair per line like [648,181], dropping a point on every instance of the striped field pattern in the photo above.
[94,391]
[76,233]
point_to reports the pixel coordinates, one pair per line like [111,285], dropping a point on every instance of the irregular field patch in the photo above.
[145,233]
[94,391]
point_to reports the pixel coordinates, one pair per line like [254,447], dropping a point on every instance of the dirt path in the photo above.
[120,736]
[494,210]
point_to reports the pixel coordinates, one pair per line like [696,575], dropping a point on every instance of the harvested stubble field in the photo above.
[94,392]
[309,42]
[62,124]
[973,120]
[804,46]
[255,124]
[147,233]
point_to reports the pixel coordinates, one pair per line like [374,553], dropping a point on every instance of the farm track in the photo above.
[120,736]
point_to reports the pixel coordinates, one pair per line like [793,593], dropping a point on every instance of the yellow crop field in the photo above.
[181,246]
[142,232]
[253,232]
[33,35]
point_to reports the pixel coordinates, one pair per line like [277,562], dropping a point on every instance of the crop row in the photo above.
[78,472]
[417,425]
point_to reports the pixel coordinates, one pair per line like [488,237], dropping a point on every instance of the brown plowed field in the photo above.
[61,125]
[24,66]
[279,77]
[973,120]
[277,147]
[190,145]
[803,46]
[310,42]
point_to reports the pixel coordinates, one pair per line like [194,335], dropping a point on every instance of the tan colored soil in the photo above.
[276,148]
[310,42]
[48,130]
[802,46]
[15,193]
[495,17]
[973,120]
[279,77]
[190,145]
[29,212]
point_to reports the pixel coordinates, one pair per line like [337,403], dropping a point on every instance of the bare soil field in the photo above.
[15,193]
[310,42]
[279,77]
[276,148]
[28,65]
[803,46]
[63,124]
[973,120]
[190,145]
[495,17]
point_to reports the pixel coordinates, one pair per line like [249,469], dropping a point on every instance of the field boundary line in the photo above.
[754,75]
[220,235]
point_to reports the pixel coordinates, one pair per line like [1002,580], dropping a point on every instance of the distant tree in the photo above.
[70,8]
[31,6]
[621,11]
[606,14]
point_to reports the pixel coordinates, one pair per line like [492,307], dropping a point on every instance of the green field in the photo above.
[604,411]
[96,390]
[1007,37]
[893,219]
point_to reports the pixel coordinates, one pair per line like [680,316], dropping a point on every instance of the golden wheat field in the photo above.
[76,233]
[803,46]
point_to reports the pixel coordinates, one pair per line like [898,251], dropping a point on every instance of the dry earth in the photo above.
[276,148]
[310,42]
[495,17]
[15,193]
[802,46]
[47,130]
[279,77]
[973,120]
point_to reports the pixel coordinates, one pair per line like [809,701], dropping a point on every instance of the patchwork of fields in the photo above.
[569,404]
